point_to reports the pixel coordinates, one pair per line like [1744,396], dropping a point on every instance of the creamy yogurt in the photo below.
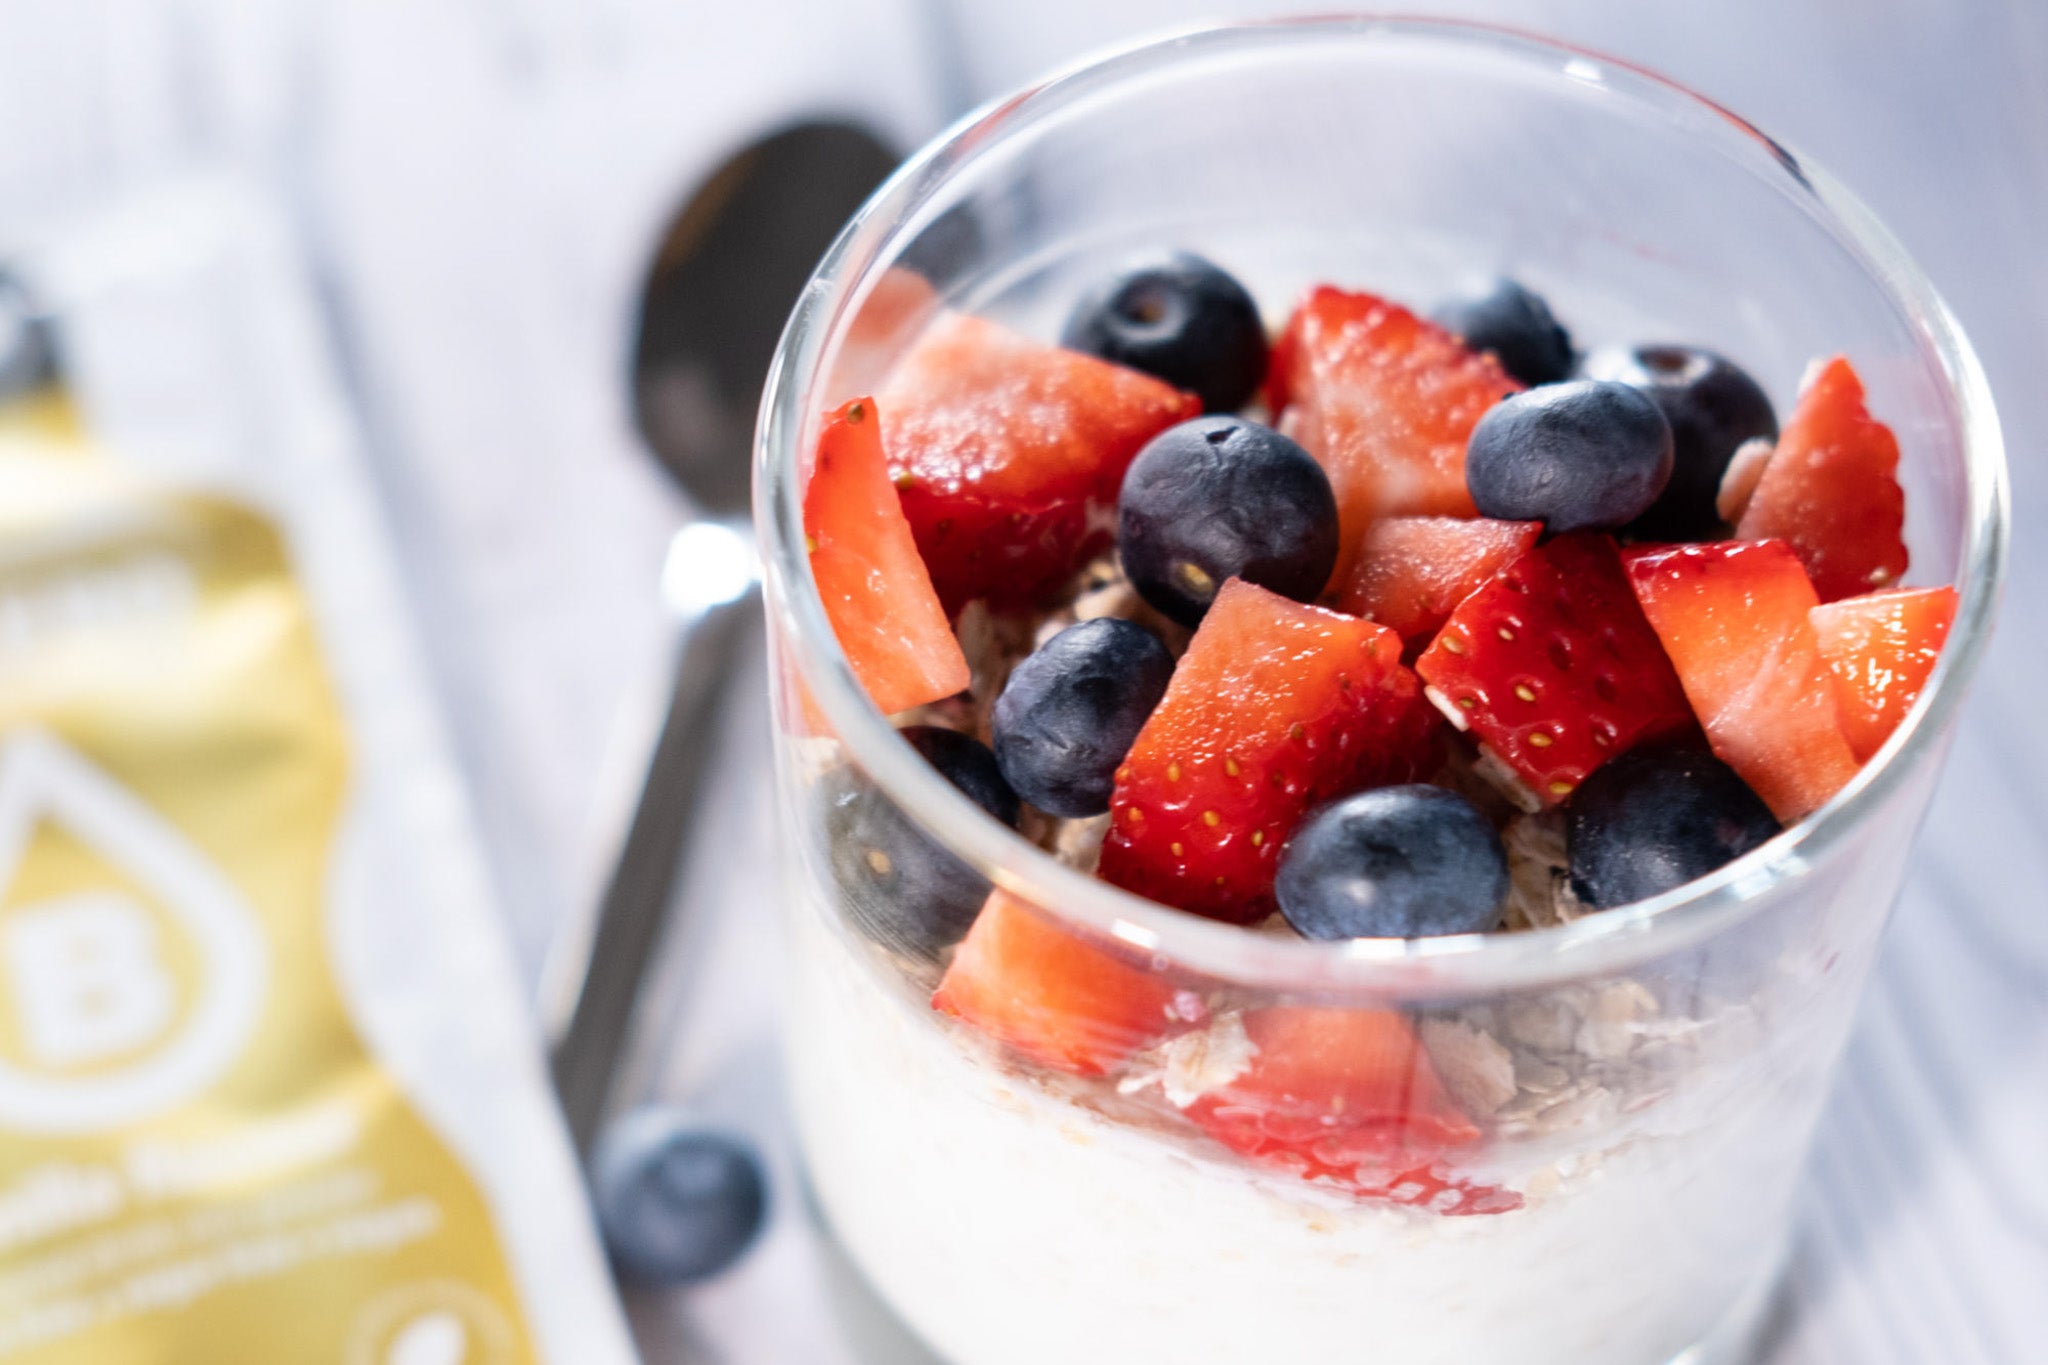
[1009,1224]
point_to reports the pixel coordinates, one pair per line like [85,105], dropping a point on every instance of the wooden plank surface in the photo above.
[480,182]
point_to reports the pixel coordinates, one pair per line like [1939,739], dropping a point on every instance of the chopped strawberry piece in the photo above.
[1275,707]
[876,591]
[1880,648]
[1412,572]
[1009,453]
[891,317]
[1735,619]
[1385,400]
[1831,490]
[1436,1188]
[1553,668]
[1347,1096]
[1053,996]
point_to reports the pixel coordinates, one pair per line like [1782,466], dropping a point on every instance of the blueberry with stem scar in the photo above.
[1394,862]
[1181,319]
[1219,498]
[1578,456]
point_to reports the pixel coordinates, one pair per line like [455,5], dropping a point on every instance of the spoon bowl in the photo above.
[727,272]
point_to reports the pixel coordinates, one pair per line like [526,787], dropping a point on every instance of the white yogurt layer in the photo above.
[1010,1225]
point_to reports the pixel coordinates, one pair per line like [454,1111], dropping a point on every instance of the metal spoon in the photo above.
[729,269]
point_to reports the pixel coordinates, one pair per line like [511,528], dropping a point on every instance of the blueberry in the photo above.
[1574,456]
[1068,715]
[1220,498]
[1515,324]
[902,889]
[1657,817]
[967,763]
[676,1201]
[1394,862]
[1713,407]
[1182,320]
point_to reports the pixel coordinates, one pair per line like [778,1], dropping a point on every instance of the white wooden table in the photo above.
[456,163]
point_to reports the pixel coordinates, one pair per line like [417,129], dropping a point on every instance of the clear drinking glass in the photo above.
[1643,1082]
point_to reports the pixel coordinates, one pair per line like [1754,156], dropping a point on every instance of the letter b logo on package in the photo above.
[132,980]
[87,978]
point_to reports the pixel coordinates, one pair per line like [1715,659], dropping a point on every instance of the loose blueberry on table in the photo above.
[677,1200]
[1432,593]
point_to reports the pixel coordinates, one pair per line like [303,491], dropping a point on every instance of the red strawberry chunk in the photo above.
[1385,400]
[1412,572]
[1831,490]
[876,591]
[891,317]
[1055,997]
[1347,1096]
[1735,618]
[1880,648]
[1275,707]
[1009,454]
[1553,669]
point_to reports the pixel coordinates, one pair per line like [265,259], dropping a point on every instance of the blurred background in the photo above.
[479,192]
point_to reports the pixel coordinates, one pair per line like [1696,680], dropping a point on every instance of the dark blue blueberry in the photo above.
[1713,407]
[1394,862]
[1068,714]
[1181,319]
[677,1201]
[1220,498]
[902,889]
[967,763]
[1655,818]
[1515,324]
[1577,456]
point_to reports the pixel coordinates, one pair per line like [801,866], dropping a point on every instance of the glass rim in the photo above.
[1451,965]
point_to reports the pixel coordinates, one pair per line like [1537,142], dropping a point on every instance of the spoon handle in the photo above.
[632,912]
